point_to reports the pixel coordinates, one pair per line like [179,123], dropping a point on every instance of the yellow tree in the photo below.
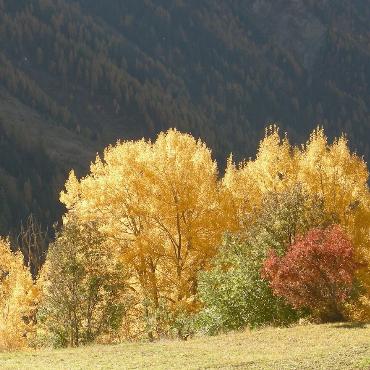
[18,299]
[273,170]
[339,179]
[112,197]
[161,207]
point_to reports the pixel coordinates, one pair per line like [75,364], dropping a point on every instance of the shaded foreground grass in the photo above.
[341,346]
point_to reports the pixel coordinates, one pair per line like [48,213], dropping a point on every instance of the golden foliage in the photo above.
[18,299]
[160,211]
[163,211]
[160,207]
[273,170]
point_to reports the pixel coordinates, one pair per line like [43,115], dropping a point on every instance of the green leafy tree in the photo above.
[234,295]
[84,288]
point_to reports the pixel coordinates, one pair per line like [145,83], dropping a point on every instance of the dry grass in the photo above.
[341,346]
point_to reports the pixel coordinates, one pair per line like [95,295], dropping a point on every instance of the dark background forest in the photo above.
[76,75]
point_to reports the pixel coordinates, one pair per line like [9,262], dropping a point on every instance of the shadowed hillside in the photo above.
[76,75]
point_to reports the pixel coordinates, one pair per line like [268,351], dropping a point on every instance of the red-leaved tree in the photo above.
[316,272]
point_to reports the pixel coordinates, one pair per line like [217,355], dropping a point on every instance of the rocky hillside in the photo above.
[76,75]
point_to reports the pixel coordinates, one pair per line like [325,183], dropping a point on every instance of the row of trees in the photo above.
[155,243]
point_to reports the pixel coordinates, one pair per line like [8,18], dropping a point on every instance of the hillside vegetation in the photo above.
[218,69]
[339,346]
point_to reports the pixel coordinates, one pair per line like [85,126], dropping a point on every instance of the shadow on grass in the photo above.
[350,325]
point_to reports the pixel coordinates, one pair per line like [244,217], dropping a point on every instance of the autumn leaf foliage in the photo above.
[316,272]
[161,211]
[19,297]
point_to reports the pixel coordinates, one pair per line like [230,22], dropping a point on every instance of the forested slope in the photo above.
[76,75]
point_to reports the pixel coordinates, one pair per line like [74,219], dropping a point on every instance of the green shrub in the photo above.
[234,295]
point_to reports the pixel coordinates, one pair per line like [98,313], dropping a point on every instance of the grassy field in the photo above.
[341,346]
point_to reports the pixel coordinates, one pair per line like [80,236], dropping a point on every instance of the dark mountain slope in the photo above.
[87,72]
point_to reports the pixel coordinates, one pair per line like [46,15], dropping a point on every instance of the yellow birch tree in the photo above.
[273,171]
[161,207]
[18,299]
